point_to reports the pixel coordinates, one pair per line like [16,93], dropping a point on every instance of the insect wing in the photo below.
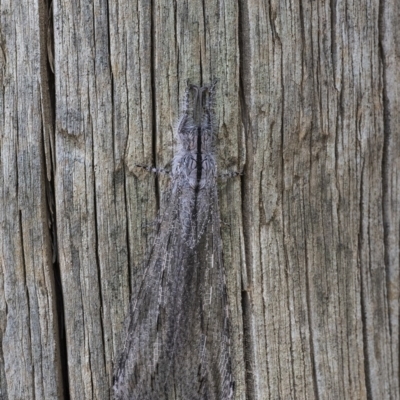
[177,334]
[142,368]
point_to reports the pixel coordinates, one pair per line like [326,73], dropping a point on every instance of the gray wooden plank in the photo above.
[29,353]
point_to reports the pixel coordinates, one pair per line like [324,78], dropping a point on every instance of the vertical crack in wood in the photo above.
[363,299]
[96,240]
[310,301]
[153,99]
[385,161]
[389,54]
[249,356]
[333,37]
[310,327]
[48,105]
[28,311]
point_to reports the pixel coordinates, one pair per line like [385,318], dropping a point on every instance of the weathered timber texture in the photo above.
[308,107]
[29,340]
[321,197]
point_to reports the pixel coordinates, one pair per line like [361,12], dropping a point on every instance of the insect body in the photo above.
[177,332]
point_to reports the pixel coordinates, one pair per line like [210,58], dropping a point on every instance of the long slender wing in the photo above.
[177,335]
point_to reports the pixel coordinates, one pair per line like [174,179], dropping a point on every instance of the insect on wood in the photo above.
[177,341]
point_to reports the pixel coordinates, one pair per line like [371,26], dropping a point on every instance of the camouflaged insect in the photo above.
[177,342]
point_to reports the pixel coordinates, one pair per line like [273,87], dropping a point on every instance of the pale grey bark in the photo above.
[308,105]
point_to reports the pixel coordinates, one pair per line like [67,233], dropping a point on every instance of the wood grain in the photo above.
[29,352]
[308,109]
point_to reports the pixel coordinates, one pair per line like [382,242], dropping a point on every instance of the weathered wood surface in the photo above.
[321,160]
[308,105]
[29,340]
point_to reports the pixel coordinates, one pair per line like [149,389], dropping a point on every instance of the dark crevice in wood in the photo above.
[61,329]
[249,357]
[201,68]
[128,240]
[175,7]
[201,56]
[334,54]
[49,113]
[111,81]
[363,295]
[310,327]
[28,311]
[50,70]
[58,290]
[310,303]
[153,100]
[21,235]
[96,246]
[292,317]
[96,239]
[386,162]
[248,361]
